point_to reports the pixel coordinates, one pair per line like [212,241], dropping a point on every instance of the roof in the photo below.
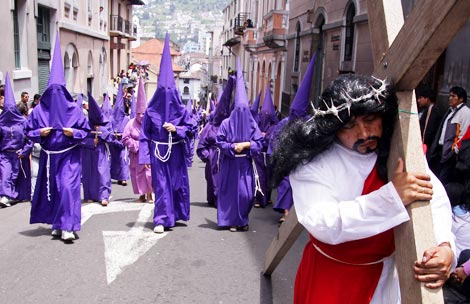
[153,46]
[151,51]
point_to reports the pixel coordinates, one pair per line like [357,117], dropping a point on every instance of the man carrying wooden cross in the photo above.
[337,161]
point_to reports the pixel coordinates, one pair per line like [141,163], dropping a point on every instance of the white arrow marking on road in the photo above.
[115,206]
[123,248]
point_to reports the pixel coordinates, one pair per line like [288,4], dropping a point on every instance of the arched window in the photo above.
[297,48]
[71,64]
[185,90]
[349,33]
[90,63]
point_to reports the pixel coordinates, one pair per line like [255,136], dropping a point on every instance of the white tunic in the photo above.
[328,202]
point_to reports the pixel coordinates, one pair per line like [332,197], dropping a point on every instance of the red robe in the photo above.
[351,271]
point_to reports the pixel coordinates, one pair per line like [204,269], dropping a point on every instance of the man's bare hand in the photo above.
[68,132]
[239,147]
[434,267]
[45,131]
[412,186]
[169,127]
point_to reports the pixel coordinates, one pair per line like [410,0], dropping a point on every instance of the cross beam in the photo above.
[403,52]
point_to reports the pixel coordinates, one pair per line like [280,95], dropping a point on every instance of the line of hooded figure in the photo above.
[153,146]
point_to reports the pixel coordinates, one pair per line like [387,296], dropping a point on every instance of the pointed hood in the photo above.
[95,115]
[301,101]
[106,107]
[133,106]
[57,67]
[57,108]
[241,122]
[189,105]
[222,110]
[141,103]
[80,100]
[118,112]
[255,107]
[10,115]
[166,104]
[267,117]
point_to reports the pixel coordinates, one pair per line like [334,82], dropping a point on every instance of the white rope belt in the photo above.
[264,159]
[240,155]
[21,163]
[343,262]
[107,149]
[48,166]
[167,155]
[126,156]
[257,182]
[217,150]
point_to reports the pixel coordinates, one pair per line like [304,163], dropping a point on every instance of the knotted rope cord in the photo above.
[48,166]
[167,155]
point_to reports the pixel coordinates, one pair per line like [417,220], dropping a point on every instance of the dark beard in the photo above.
[359,142]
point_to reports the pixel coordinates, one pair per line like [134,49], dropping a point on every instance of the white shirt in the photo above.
[328,202]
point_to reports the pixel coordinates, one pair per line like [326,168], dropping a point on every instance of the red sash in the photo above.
[351,271]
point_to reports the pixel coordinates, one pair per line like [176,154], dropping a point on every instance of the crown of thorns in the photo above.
[335,110]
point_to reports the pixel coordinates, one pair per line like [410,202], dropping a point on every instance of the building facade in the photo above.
[90,37]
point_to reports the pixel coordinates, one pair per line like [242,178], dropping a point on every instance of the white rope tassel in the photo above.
[108,151]
[126,156]
[217,150]
[167,155]
[257,183]
[48,166]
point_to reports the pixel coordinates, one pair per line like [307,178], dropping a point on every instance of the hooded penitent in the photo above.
[95,114]
[96,178]
[141,103]
[165,150]
[241,122]
[15,173]
[222,110]
[237,178]
[106,108]
[267,116]
[119,116]
[56,197]
[255,107]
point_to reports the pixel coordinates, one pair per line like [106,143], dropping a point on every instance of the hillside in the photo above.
[184,20]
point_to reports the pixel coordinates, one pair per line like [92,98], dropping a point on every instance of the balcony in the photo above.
[275,29]
[239,23]
[122,28]
[250,37]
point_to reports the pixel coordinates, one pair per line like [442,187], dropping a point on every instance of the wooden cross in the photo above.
[403,53]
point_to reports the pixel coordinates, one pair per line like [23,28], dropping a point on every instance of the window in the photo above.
[16,37]
[185,90]
[297,48]
[349,33]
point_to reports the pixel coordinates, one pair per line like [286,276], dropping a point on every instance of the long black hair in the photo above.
[348,95]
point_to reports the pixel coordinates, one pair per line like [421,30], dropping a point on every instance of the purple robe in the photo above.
[141,177]
[15,172]
[119,153]
[56,198]
[209,153]
[96,177]
[165,151]
[236,182]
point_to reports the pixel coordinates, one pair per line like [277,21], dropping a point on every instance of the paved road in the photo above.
[118,259]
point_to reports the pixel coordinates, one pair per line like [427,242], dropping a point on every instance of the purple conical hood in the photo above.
[267,117]
[241,122]
[222,110]
[80,100]
[301,101]
[95,115]
[166,104]
[189,105]
[57,108]
[57,67]
[106,107]
[141,103]
[118,111]
[10,115]
[255,107]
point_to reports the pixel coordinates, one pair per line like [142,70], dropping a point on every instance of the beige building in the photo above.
[94,38]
